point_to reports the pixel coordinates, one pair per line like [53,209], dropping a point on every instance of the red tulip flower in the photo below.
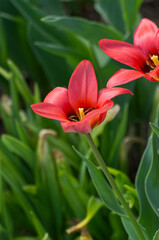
[78,108]
[143,55]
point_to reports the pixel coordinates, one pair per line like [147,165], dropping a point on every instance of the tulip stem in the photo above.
[113,185]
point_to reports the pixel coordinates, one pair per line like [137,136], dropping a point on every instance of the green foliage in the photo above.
[46,187]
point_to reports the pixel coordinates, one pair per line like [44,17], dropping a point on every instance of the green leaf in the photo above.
[102,187]
[4,213]
[7,121]
[20,82]
[30,189]
[92,208]
[23,135]
[25,238]
[138,110]
[130,229]
[119,135]
[51,7]
[23,202]
[13,24]
[111,12]
[53,188]
[152,180]
[40,31]
[74,195]
[156,236]
[83,28]
[49,62]
[149,215]
[19,148]
[38,226]
[121,14]
[58,50]
[130,11]
[155,128]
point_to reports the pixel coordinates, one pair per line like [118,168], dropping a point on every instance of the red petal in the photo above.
[144,36]
[79,127]
[82,89]
[154,74]
[89,122]
[157,40]
[49,111]
[106,94]
[59,97]
[123,76]
[123,52]
[94,117]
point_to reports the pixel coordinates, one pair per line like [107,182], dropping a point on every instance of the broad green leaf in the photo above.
[121,14]
[49,62]
[40,31]
[51,7]
[149,215]
[152,180]
[19,148]
[58,50]
[13,24]
[102,187]
[130,11]
[83,28]
[111,11]
[155,128]
[130,229]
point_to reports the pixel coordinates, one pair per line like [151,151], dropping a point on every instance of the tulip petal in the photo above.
[82,89]
[123,76]
[96,116]
[82,127]
[49,110]
[154,74]
[106,94]
[59,97]
[144,37]
[157,40]
[90,120]
[124,52]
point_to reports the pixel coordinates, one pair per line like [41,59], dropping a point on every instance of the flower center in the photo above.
[155,60]
[80,115]
[152,62]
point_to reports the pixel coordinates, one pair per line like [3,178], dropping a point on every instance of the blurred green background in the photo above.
[45,188]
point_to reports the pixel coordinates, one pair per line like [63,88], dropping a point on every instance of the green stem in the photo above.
[114,186]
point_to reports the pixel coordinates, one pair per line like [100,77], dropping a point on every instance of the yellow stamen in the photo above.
[81,113]
[155,60]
